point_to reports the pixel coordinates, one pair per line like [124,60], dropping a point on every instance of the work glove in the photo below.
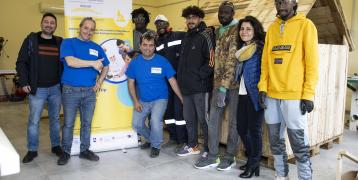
[306,106]
[221,97]
[262,97]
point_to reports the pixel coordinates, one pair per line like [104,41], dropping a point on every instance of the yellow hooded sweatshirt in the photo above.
[289,68]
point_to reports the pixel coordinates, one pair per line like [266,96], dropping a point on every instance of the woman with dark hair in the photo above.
[249,114]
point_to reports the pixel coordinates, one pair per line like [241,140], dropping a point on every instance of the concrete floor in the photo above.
[136,163]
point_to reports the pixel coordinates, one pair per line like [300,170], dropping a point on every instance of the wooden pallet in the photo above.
[328,144]
[268,161]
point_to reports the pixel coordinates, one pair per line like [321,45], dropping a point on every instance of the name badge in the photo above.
[93,52]
[278,61]
[156,70]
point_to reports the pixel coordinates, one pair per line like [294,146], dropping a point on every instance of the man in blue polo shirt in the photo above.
[83,60]
[148,74]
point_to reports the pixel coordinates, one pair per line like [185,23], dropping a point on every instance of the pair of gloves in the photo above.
[305,105]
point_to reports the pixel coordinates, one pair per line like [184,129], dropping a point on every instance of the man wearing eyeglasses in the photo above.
[289,75]
[195,78]
[140,18]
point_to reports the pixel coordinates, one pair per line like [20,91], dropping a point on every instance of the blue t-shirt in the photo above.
[84,50]
[150,76]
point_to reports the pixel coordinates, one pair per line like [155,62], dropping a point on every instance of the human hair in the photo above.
[259,33]
[138,11]
[119,42]
[48,14]
[149,35]
[87,19]
[228,4]
[193,10]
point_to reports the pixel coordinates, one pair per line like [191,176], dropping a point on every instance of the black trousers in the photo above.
[249,126]
[174,119]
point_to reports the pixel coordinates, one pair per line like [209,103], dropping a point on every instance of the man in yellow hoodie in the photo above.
[289,74]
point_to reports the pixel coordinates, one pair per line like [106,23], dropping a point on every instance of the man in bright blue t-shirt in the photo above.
[83,60]
[148,74]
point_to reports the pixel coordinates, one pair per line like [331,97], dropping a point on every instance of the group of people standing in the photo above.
[188,79]
[239,68]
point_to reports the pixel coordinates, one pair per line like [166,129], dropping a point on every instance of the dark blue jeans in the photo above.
[249,126]
[51,95]
[82,99]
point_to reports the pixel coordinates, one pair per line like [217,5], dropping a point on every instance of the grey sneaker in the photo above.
[206,162]
[226,163]
[186,150]
[179,147]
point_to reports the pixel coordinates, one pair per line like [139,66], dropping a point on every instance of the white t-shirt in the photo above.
[242,89]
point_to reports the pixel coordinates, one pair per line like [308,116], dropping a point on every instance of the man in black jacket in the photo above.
[195,77]
[169,45]
[39,69]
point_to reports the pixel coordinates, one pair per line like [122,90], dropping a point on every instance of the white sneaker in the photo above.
[281,178]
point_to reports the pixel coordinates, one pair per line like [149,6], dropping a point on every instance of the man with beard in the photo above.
[169,45]
[195,78]
[225,91]
[289,75]
[39,68]
[85,67]
[140,18]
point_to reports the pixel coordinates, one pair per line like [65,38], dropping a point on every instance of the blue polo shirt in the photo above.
[151,77]
[85,50]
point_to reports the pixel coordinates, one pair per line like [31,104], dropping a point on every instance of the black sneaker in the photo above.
[154,152]
[63,158]
[87,154]
[146,145]
[29,156]
[57,150]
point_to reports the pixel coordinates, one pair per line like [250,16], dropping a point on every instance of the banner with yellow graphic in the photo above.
[112,120]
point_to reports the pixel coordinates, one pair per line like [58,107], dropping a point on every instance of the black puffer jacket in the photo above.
[196,64]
